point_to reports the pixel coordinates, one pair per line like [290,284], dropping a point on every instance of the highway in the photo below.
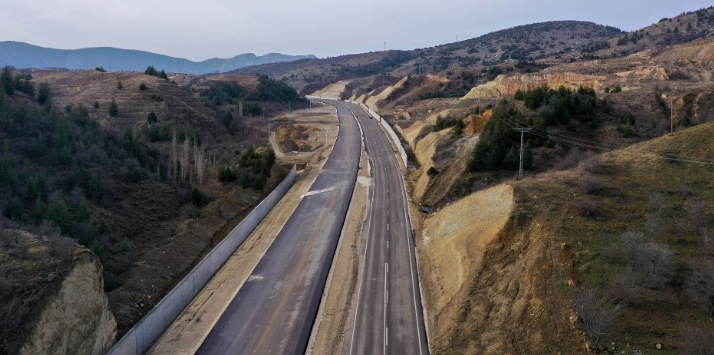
[274,311]
[389,316]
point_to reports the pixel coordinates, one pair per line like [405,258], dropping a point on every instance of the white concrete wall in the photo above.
[144,333]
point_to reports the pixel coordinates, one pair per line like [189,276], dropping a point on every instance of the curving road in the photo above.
[389,316]
[274,311]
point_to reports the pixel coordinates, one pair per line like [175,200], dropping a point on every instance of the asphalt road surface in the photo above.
[389,317]
[274,311]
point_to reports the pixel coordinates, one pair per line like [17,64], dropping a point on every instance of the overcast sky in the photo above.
[203,29]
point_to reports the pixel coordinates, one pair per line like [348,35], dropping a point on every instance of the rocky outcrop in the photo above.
[333,91]
[508,85]
[76,319]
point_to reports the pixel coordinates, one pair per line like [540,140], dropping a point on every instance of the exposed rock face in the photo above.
[508,85]
[77,319]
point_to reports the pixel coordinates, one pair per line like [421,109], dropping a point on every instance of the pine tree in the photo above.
[151,118]
[43,93]
[6,81]
[113,108]
[511,161]
[120,85]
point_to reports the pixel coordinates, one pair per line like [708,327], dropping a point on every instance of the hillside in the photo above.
[684,28]
[603,246]
[148,189]
[23,55]
[612,255]
[524,43]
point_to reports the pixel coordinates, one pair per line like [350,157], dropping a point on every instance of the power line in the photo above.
[512,123]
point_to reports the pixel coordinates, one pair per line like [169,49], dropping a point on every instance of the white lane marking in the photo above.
[366,248]
[408,230]
[386,300]
[318,192]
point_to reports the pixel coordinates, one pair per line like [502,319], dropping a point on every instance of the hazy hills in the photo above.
[23,55]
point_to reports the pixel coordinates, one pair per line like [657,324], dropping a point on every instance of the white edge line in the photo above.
[411,262]
[369,225]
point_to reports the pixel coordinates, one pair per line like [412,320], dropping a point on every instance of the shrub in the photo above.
[593,163]
[656,202]
[697,341]
[432,171]
[142,86]
[700,285]
[596,314]
[594,185]
[572,159]
[226,174]
[655,264]
[199,198]
[623,287]
[652,262]
[588,208]
[616,90]
[191,211]
[120,85]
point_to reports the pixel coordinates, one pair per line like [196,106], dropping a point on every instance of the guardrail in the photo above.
[139,338]
[387,127]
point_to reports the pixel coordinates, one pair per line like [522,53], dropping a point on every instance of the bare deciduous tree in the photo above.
[185,166]
[173,159]
[200,163]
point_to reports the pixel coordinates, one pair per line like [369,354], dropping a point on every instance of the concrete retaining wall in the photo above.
[149,328]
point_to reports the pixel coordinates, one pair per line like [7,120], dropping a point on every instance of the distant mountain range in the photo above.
[23,55]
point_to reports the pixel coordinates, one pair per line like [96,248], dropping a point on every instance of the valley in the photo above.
[115,185]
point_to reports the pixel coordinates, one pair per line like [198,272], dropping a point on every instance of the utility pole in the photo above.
[520,166]
[385,46]
[263,109]
[479,102]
